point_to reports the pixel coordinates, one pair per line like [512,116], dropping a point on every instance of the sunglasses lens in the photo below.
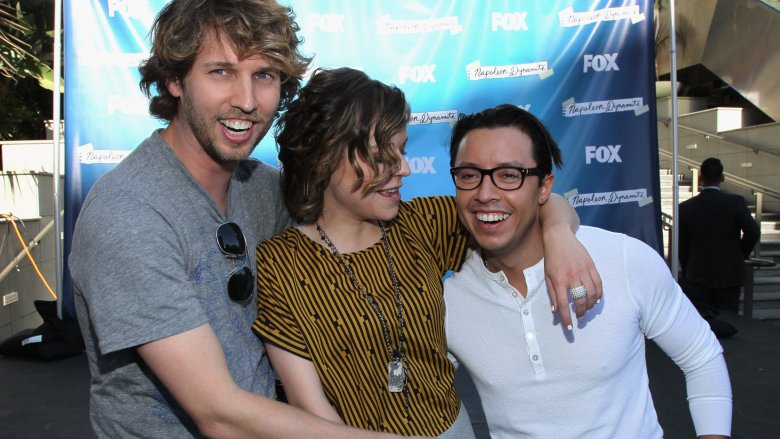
[240,285]
[232,243]
[230,239]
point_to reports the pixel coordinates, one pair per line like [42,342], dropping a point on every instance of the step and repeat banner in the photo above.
[584,67]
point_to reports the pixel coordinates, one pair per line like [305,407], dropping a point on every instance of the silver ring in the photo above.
[578,292]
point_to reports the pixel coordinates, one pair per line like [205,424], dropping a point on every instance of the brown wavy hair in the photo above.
[251,27]
[337,111]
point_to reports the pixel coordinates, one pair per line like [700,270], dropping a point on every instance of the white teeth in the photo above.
[492,217]
[237,124]
[390,191]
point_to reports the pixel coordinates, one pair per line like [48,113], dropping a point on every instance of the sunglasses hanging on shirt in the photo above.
[232,244]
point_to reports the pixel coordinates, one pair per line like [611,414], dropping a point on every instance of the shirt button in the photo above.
[501,278]
[530,335]
[525,312]
[535,357]
[514,294]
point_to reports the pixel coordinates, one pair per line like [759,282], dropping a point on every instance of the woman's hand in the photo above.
[567,264]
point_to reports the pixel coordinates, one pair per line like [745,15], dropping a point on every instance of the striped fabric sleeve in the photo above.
[437,219]
[275,323]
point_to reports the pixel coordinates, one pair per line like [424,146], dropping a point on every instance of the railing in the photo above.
[25,250]
[667,225]
[752,265]
[758,190]
[731,178]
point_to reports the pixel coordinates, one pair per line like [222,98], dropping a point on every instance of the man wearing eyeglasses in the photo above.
[160,264]
[534,378]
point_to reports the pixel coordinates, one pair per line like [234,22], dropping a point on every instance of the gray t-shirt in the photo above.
[146,265]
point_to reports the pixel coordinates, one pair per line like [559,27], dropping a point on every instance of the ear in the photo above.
[174,87]
[546,189]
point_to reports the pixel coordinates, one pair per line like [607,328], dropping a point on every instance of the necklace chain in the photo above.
[395,354]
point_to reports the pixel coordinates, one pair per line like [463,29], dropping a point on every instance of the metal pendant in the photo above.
[396,376]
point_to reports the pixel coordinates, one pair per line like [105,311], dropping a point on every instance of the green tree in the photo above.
[26,76]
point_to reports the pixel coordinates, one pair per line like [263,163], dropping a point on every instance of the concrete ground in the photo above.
[50,400]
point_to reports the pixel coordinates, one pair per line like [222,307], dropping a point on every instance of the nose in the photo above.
[243,96]
[404,170]
[486,191]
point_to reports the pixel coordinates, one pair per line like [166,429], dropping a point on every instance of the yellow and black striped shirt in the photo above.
[308,306]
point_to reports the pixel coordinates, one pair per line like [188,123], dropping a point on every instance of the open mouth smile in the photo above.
[237,126]
[491,218]
[391,193]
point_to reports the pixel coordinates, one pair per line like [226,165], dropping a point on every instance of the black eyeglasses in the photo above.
[508,178]
[232,244]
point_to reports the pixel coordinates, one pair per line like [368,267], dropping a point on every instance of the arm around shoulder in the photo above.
[567,263]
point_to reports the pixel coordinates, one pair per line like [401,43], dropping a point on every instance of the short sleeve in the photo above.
[128,263]
[436,219]
[276,323]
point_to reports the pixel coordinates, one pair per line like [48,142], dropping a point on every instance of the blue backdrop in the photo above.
[584,67]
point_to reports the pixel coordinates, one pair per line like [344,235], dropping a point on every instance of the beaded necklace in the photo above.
[396,371]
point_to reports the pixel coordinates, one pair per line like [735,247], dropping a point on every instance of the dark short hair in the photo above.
[546,151]
[337,111]
[711,171]
[252,27]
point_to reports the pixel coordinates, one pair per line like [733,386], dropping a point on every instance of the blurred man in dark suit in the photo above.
[717,233]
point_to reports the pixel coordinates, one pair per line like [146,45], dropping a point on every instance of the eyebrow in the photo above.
[222,64]
[216,65]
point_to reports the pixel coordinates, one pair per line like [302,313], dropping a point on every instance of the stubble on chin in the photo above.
[231,152]
[220,149]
